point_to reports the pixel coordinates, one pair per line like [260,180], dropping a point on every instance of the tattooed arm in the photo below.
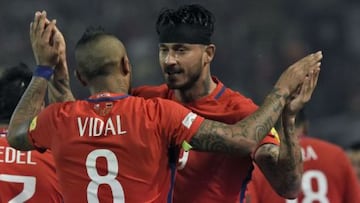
[59,86]
[242,136]
[282,166]
[28,107]
[46,54]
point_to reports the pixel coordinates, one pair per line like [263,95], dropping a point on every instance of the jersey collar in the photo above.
[214,95]
[106,96]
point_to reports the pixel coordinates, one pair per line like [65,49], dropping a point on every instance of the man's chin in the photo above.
[173,85]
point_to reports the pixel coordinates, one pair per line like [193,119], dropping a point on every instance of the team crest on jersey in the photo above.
[33,124]
[103,109]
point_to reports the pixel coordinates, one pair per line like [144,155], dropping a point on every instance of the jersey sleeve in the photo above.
[43,126]
[271,138]
[177,122]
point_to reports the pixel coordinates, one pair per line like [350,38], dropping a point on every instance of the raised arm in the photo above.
[246,134]
[45,45]
[59,85]
[283,165]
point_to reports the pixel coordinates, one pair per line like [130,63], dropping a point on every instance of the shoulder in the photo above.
[148,91]
[236,100]
[160,102]
[63,108]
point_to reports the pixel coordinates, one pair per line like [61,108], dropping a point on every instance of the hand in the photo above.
[59,85]
[45,41]
[298,99]
[294,76]
[61,72]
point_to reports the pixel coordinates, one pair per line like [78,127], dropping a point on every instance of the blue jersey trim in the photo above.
[221,92]
[244,184]
[173,172]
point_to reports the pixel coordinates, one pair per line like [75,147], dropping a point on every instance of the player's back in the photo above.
[204,176]
[27,176]
[327,178]
[112,147]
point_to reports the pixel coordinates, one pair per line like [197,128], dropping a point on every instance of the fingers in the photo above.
[40,19]
[42,27]
[316,77]
[31,31]
[309,85]
[314,57]
[36,21]
[57,40]
[42,36]
[306,89]
[49,31]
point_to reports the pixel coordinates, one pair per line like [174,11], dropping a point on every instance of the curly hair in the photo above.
[192,14]
[13,83]
[91,33]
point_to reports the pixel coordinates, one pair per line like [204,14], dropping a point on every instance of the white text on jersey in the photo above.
[97,127]
[11,155]
[308,153]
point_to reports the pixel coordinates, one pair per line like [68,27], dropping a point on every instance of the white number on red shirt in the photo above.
[109,178]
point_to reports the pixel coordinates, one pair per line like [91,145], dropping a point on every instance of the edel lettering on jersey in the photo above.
[11,155]
[93,126]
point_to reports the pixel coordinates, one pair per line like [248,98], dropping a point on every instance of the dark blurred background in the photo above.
[256,41]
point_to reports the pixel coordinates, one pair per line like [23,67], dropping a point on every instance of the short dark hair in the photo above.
[91,33]
[86,66]
[194,15]
[13,83]
[355,146]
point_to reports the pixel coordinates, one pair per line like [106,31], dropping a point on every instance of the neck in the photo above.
[108,84]
[201,88]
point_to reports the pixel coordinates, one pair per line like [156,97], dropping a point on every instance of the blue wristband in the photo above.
[44,71]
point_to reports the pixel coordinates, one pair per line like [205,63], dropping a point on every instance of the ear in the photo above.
[125,65]
[79,77]
[209,53]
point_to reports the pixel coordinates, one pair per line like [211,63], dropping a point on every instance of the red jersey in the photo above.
[26,176]
[211,177]
[328,177]
[113,147]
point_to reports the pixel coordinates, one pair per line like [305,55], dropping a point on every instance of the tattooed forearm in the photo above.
[32,100]
[28,107]
[59,90]
[289,163]
[216,136]
[247,133]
